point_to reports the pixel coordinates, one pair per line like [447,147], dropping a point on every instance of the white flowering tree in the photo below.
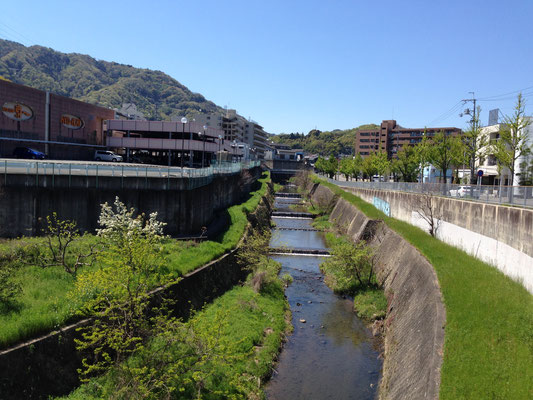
[116,294]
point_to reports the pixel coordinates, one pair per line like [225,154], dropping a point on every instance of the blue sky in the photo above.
[296,65]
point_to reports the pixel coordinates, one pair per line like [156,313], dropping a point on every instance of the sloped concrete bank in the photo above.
[414,326]
[496,234]
[47,365]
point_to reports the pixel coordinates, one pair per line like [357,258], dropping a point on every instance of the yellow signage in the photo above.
[71,121]
[17,111]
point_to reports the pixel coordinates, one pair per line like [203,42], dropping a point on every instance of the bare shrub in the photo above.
[425,205]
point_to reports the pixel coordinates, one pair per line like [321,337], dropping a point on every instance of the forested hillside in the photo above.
[324,143]
[104,83]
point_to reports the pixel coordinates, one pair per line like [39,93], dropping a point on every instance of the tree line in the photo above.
[446,152]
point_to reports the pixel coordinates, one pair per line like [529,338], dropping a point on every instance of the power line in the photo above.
[495,97]
[448,113]
[21,37]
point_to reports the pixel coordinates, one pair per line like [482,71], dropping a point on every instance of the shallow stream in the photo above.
[330,355]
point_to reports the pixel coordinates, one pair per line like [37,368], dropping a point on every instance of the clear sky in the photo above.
[296,65]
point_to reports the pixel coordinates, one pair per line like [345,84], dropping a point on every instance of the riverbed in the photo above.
[330,354]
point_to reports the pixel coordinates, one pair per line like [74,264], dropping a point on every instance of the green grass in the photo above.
[370,304]
[43,304]
[488,351]
[322,223]
[253,329]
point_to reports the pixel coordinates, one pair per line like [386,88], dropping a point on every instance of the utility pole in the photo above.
[475,127]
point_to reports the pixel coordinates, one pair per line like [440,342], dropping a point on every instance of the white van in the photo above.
[104,155]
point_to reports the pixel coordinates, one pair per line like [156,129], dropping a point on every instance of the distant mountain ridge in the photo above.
[103,83]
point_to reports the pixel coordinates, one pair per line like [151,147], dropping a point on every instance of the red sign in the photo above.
[71,121]
[17,111]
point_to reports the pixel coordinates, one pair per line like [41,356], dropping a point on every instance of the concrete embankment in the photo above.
[47,365]
[414,326]
[497,234]
[24,205]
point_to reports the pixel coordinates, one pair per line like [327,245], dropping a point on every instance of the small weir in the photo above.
[330,354]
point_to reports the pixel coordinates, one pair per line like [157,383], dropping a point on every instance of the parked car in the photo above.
[104,155]
[465,191]
[142,157]
[26,152]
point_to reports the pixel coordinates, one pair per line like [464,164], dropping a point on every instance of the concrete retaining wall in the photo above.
[499,235]
[414,326]
[23,209]
[47,366]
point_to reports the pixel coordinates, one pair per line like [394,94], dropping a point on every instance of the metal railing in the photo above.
[515,195]
[51,170]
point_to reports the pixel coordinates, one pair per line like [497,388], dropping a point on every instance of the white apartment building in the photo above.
[488,164]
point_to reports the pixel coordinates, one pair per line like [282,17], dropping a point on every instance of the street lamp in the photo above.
[183,122]
[219,144]
[235,150]
[202,135]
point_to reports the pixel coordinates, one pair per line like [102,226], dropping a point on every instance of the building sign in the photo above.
[71,121]
[17,111]
[382,205]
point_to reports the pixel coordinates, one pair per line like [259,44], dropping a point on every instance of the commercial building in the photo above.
[391,137]
[61,127]
[187,144]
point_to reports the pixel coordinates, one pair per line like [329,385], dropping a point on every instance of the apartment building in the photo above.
[237,129]
[391,137]
[489,165]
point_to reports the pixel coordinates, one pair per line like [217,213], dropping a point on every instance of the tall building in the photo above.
[237,128]
[391,137]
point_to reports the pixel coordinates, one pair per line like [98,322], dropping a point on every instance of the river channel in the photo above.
[331,354]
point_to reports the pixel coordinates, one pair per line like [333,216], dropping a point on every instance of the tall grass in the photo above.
[252,332]
[43,304]
[488,351]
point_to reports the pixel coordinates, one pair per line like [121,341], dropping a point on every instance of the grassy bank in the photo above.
[488,351]
[369,299]
[43,303]
[248,330]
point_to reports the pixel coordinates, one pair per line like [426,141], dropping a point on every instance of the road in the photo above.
[99,168]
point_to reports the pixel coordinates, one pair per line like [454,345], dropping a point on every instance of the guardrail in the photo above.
[52,170]
[514,195]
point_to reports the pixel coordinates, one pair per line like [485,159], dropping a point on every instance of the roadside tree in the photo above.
[513,141]
[407,164]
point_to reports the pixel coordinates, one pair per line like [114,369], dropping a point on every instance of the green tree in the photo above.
[474,144]
[320,165]
[116,294]
[357,165]
[381,163]
[331,166]
[346,167]
[423,154]
[407,164]
[444,152]
[368,167]
[513,140]
[350,266]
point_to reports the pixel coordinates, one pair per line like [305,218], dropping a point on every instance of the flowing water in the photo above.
[331,354]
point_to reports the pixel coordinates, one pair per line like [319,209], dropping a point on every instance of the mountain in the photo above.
[324,143]
[104,83]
